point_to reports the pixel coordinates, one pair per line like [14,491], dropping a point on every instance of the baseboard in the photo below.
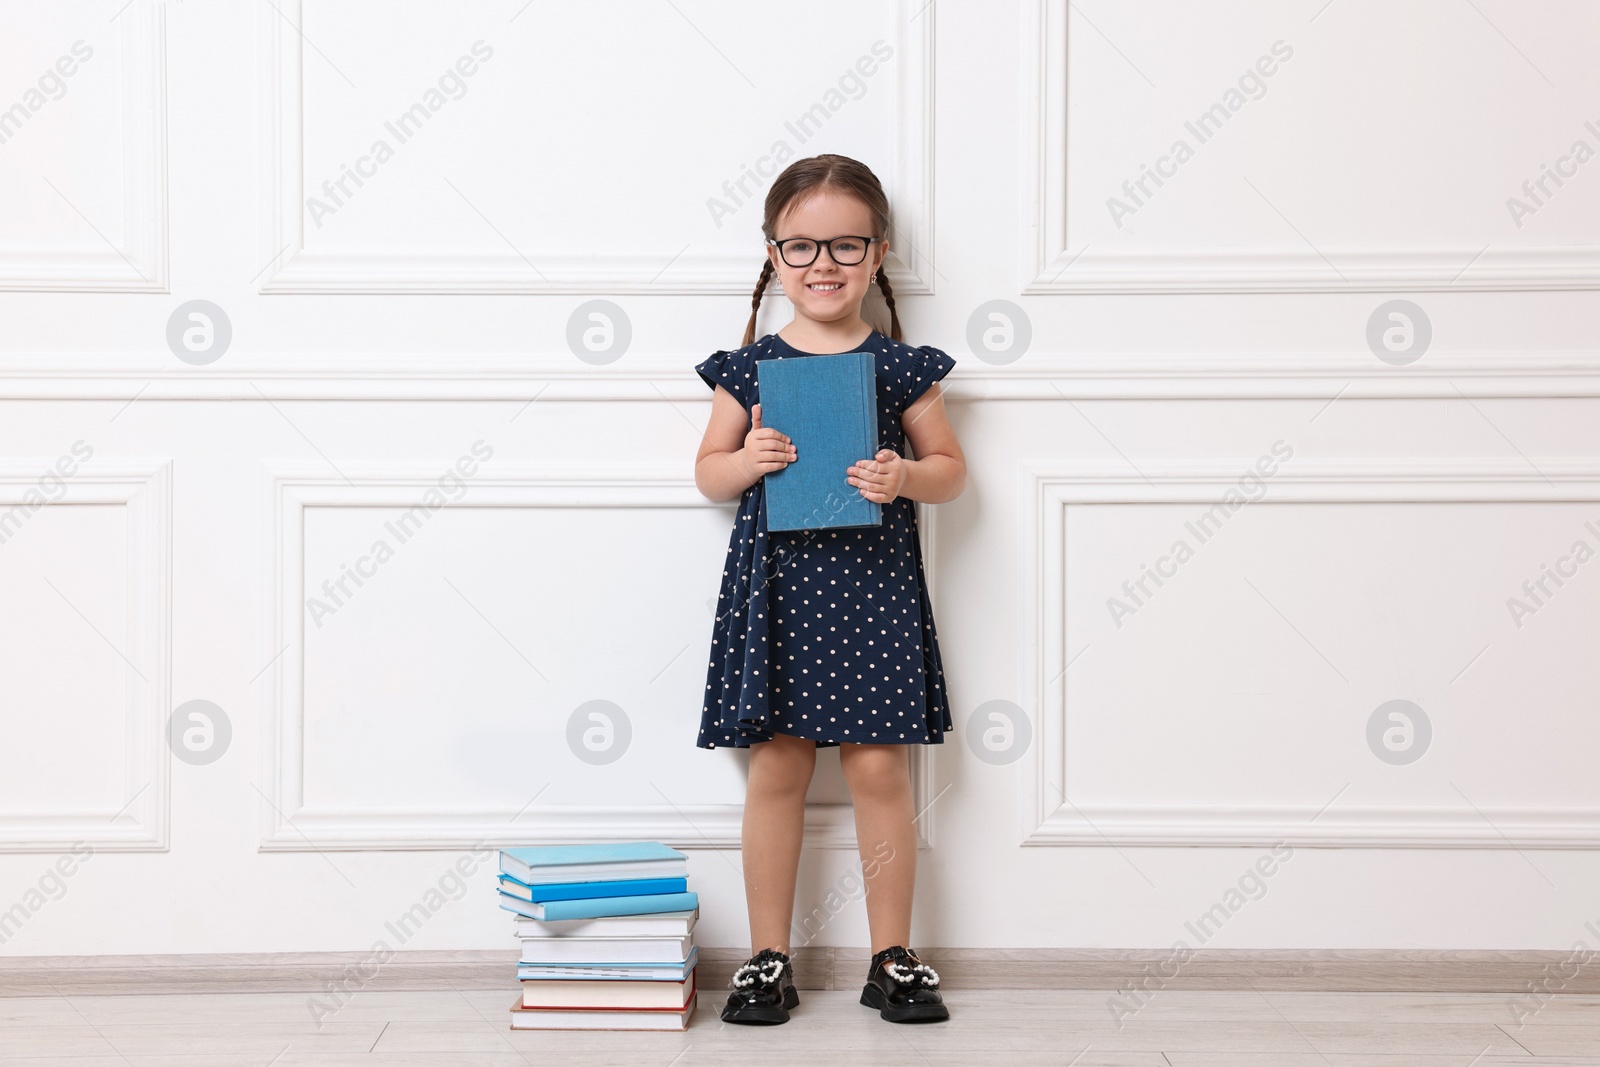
[1352,970]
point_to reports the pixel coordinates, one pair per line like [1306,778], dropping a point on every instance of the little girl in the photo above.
[825,637]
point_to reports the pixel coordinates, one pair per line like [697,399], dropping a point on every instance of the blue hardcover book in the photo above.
[627,887]
[593,907]
[828,406]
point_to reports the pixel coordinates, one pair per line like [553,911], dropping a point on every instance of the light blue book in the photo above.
[616,972]
[628,887]
[594,907]
[828,406]
[600,862]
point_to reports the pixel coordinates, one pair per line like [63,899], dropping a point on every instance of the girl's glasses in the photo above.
[802,251]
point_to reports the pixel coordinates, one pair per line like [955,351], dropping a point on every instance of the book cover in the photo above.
[543,864]
[625,887]
[600,971]
[603,1018]
[828,406]
[612,996]
[586,951]
[643,924]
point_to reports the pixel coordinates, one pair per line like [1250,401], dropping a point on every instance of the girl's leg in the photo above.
[774,822]
[879,777]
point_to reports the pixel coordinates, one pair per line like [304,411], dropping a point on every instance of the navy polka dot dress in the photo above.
[826,634]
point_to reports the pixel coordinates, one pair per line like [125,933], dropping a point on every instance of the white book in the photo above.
[585,994]
[606,949]
[645,972]
[601,1019]
[653,924]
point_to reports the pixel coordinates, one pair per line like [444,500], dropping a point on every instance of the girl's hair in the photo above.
[804,178]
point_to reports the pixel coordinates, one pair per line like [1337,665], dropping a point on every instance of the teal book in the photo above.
[627,887]
[594,907]
[828,406]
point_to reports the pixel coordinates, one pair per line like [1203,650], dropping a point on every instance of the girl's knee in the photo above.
[784,764]
[880,769]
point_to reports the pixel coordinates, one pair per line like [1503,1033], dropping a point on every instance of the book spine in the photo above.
[869,429]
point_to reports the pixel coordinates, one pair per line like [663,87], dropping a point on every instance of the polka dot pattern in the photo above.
[826,634]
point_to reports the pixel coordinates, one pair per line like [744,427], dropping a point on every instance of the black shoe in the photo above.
[763,990]
[903,988]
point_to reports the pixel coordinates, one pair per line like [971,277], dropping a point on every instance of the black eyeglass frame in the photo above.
[866,246]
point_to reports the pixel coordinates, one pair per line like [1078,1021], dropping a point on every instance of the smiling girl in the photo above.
[825,637]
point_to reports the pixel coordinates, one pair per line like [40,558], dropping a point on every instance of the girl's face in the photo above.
[826,291]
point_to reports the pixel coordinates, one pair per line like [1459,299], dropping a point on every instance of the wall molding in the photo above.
[143,488]
[1050,264]
[288,824]
[140,264]
[1053,817]
[1096,970]
[670,377]
[299,269]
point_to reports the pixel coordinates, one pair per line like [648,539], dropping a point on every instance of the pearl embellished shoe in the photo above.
[763,990]
[903,988]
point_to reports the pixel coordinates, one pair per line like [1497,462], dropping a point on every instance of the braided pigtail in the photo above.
[755,300]
[888,298]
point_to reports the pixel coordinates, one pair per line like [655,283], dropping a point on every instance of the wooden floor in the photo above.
[454,1027]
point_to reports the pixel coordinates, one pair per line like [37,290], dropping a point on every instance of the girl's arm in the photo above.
[939,472]
[730,458]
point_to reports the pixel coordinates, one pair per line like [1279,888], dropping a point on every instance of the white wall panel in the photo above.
[83,148]
[85,569]
[1344,587]
[427,662]
[460,161]
[1245,146]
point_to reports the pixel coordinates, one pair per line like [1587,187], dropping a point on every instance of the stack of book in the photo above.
[607,935]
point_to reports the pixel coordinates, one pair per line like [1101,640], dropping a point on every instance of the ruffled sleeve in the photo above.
[924,366]
[731,370]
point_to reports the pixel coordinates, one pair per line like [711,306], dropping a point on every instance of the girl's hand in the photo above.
[880,478]
[765,448]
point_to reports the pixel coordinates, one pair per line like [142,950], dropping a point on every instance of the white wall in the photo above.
[594,153]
